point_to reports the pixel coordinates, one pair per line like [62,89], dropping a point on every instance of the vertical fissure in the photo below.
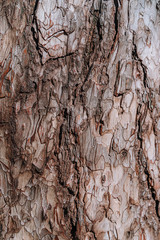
[116,17]
[140,125]
[34,34]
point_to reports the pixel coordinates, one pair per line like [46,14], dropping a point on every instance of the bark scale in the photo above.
[80,119]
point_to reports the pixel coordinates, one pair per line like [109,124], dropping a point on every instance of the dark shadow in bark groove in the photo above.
[74,230]
[60,135]
[136,57]
[145,167]
[153,192]
[35,37]
[116,18]
[140,124]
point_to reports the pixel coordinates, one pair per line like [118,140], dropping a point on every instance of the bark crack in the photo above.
[116,25]
[136,57]
[34,34]
[141,121]
[116,17]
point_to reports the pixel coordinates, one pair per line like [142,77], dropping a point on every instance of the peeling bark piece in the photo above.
[59,27]
[23,179]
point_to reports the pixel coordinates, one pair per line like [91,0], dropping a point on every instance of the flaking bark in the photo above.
[79,120]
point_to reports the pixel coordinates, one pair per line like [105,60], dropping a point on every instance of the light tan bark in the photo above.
[80,119]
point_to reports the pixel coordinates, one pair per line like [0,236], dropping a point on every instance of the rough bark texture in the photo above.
[80,119]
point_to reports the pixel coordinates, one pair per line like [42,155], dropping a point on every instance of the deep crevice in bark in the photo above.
[99,28]
[116,93]
[140,124]
[34,34]
[149,179]
[153,192]
[74,230]
[140,155]
[116,17]
[60,135]
[116,25]
[136,57]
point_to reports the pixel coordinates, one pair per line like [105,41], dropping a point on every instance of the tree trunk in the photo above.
[80,119]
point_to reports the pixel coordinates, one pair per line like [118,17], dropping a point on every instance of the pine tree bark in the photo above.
[80,119]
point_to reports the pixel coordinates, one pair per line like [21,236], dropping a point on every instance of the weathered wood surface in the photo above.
[79,119]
